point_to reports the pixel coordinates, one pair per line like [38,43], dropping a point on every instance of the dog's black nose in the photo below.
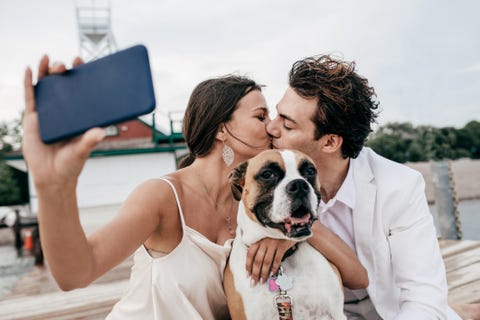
[297,187]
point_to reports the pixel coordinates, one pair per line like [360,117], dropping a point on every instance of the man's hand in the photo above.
[264,258]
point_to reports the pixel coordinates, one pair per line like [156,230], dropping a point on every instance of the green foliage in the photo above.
[9,187]
[10,137]
[403,142]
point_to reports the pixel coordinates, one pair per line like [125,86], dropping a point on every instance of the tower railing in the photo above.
[95,30]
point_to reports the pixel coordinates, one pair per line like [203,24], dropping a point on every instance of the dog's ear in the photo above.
[237,178]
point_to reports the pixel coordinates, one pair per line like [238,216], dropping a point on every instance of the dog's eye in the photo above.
[307,170]
[268,174]
[310,172]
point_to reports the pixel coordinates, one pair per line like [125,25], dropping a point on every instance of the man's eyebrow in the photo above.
[284,116]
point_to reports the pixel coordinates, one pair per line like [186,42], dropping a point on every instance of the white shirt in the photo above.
[337,215]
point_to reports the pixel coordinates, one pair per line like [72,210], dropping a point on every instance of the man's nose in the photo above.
[272,128]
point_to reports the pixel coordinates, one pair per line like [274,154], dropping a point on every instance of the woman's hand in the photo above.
[55,165]
[264,258]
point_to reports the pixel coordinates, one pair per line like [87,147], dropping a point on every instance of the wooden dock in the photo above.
[462,261]
[36,296]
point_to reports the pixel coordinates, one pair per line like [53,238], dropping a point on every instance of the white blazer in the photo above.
[396,241]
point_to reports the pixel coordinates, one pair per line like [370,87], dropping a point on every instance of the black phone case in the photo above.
[106,91]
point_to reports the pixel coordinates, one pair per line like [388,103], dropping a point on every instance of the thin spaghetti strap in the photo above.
[176,198]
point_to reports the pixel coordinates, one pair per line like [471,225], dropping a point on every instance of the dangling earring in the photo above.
[227,154]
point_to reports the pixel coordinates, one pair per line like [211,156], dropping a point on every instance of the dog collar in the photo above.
[289,252]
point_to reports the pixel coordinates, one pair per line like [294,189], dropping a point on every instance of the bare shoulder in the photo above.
[153,198]
[156,188]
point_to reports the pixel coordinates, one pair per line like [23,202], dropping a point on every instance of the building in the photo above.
[133,151]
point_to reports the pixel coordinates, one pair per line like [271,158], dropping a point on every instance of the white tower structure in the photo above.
[94,27]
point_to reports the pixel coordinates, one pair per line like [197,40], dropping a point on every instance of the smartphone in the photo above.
[112,89]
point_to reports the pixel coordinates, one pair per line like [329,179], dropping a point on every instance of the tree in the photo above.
[9,187]
[393,141]
[10,137]
[403,142]
[472,132]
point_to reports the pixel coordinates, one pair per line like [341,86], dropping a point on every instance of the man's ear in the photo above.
[331,143]
[237,178]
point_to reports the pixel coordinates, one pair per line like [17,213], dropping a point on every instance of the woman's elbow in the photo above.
[70,283]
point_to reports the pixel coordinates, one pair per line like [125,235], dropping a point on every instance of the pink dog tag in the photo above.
[272,285]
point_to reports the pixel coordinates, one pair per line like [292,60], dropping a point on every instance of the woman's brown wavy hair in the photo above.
[211,103]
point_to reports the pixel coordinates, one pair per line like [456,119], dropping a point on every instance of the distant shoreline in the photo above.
[466,176]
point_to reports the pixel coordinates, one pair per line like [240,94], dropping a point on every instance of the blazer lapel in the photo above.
[363,214]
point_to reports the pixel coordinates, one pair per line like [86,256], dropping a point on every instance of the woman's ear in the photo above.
[331,143]
[221,133]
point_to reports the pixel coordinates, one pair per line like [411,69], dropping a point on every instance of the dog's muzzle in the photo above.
[301,215]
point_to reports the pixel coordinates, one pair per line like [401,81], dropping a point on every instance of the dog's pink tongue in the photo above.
[288,227]
[303,219]
[289,222]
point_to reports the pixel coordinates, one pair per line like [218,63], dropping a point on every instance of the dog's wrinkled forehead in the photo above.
[267,169]
[275,162]
[262,163]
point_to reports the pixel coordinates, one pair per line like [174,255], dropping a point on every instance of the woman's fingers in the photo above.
[29,95]
[43,67]
[277,260]
[57,68]
[259,260]
[77,61]
[251,253]
[264,258]
[266,264]
[257,265]
[88,141]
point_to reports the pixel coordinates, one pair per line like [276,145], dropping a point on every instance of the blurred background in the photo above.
[421,56]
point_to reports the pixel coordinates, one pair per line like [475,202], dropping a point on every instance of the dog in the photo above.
[279,195]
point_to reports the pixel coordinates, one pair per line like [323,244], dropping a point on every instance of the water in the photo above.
[12,268]
[469,217]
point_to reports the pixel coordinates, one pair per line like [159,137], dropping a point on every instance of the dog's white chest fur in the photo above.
[279,200]
[316,291]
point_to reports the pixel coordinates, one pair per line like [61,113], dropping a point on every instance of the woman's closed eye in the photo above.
[262,117]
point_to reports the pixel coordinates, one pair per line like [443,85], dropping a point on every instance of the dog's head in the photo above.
[279,190]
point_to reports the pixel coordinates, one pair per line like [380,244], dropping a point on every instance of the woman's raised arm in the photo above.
[74,259]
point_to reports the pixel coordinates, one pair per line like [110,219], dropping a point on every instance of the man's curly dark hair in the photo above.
[346,103]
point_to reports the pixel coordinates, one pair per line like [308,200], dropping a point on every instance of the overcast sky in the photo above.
[422,56]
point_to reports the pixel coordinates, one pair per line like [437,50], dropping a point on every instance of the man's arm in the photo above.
[354,275]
